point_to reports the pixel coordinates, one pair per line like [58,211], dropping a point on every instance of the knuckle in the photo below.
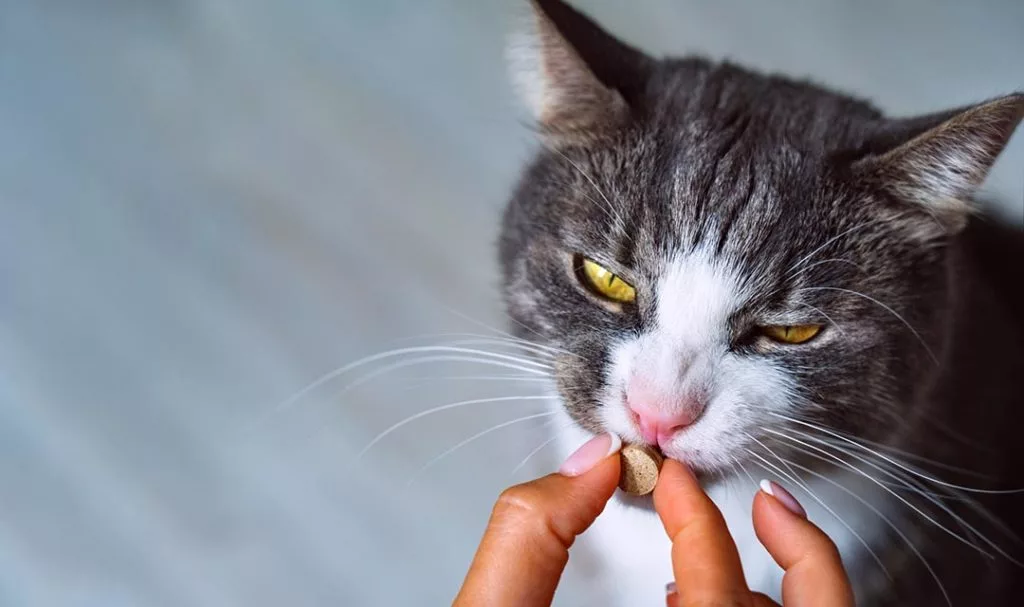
[519,501]
[829,548]
[528,507]
[825,550]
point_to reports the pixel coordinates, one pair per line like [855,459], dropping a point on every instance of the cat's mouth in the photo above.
[704,475]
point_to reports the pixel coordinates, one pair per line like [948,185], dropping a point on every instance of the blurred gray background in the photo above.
[205,205]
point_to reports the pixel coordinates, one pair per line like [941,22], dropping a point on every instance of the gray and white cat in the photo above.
[762,276]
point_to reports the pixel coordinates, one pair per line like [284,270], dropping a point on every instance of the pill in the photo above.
[640,466]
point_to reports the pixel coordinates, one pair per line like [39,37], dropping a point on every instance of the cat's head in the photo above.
[718,253]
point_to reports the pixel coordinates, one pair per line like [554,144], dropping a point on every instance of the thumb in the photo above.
[526,544]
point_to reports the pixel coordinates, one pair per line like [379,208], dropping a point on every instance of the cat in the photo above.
[763,276]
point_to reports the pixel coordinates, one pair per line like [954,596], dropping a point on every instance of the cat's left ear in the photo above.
[576,78]
[942,165]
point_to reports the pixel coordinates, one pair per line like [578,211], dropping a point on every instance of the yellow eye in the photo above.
[605,283]
[791,334]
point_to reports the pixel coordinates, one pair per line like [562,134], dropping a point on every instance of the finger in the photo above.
[526,544]
[705,562]
[759,600]
[814,570]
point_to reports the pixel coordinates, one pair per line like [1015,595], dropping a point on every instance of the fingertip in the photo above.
[776,520]
[814,569]
[606,473]
[673,477]
[590,454]
[595,486]
[773,522]
[676,469]
[671,594]
[783,496]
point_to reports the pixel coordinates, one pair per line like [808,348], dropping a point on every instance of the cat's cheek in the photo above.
[621,357]
[615,417]
[613,412]
[761,385]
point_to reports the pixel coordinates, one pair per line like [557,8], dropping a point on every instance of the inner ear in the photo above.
[574,76]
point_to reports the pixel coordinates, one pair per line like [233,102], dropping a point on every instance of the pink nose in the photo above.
[658,428]
[659,417]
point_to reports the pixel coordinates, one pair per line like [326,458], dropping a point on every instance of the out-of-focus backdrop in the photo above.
[207,204]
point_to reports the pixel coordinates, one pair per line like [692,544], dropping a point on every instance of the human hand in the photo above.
[526,544]
[706,564]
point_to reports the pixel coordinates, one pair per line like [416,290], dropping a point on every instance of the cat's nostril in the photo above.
[676,428]
[658,414]
[657,427]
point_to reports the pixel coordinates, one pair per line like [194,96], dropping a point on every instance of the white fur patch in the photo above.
[686,355]
[695,297]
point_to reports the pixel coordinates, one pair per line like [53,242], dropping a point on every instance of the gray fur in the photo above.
[764,170]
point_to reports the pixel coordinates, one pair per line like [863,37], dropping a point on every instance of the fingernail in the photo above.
[785,497]
[592,452]
[670,588]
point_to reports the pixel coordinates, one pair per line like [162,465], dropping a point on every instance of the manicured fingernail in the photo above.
[670,588]
[592,452]
[785,497]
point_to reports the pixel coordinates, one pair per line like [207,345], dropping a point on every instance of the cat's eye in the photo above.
[791,334]
[605,283]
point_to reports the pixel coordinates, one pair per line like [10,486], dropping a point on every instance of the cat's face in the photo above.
[720,246]
[719,255]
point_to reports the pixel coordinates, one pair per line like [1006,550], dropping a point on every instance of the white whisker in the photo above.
[506,339]
[827,317]
[747,472]
[506,344]
[794,479]
[418,382]
[484,325]
[773,454]
[422,414]
[510,341]
[610,208]
[913,456]
[937,502]
[476,436]
[846,465]
[833,260]
[796,266]
[323,379]
[529,456]
[891,525]
[422,361]
[896,463]
[884,307]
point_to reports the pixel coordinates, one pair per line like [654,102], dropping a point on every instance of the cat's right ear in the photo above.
[945,158]
[575,78]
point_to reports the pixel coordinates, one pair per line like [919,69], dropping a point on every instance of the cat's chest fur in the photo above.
[632,551]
